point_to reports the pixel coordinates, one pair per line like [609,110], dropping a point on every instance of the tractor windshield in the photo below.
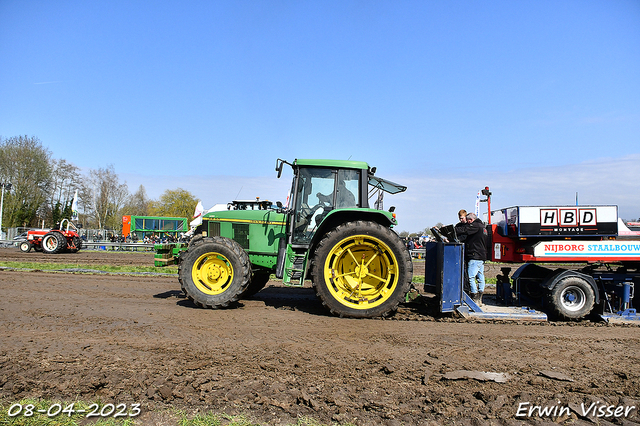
[320,190]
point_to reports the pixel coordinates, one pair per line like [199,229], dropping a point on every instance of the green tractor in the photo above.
[358,265]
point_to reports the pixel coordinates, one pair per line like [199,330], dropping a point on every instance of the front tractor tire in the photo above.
[214,272]
[25,246]
[572,298]
[53,243]
[362,270]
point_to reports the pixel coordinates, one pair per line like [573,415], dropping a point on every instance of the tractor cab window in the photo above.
[347,189]
[320,190]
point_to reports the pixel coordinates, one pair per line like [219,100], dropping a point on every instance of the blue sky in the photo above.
[536,99]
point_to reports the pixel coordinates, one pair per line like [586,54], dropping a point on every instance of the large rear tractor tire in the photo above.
[77,242]
[214,272]
[571,298]
[362,270]
[53,243]
[25,246]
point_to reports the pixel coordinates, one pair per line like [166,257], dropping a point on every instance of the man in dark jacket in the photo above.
[474,236]
[462,225]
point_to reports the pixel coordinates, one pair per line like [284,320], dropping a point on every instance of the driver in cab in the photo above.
[345,198]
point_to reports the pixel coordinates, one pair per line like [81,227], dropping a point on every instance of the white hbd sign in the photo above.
[567,217]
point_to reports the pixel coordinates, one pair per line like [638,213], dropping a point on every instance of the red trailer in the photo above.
[574,262]
[577,259]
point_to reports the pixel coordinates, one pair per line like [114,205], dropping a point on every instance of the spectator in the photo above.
[462,224]
[474,235]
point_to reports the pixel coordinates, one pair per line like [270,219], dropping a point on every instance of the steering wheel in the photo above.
[306,211]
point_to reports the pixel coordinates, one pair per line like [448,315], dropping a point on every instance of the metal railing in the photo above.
[116,246]
[418,253]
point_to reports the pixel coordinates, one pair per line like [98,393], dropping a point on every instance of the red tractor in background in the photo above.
[52,241]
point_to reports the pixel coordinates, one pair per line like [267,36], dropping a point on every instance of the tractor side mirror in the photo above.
[279,166]
[392,209]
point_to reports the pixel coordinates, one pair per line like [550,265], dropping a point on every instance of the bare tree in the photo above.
[26,164]
[65,179]
[85,202]
[138,204]
[109,195]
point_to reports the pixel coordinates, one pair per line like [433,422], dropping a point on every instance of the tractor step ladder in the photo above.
[294,266]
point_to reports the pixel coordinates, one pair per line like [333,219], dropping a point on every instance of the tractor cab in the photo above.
[321,187]
[324,195]
[318,191]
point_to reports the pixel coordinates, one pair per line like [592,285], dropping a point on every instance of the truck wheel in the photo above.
[258,280]
[362,270]
[53,242]
[25,246]
[571,298]
[214,272]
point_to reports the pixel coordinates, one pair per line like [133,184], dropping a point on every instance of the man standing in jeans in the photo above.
[461,233]
[475,253]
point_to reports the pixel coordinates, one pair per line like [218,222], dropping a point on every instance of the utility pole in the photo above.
[8,186]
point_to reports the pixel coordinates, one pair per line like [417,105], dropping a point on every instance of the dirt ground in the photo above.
[136,339]
[84,257]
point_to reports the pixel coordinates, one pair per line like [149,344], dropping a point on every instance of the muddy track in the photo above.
[277,356]
[95,257]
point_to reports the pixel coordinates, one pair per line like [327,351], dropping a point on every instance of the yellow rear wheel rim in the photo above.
[212,273]
[361,272]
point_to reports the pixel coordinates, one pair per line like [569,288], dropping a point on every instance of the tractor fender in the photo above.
[559,274]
